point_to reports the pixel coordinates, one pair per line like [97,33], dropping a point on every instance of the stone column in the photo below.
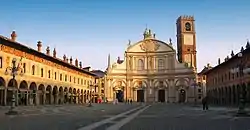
[5,97]
[166,95]
[156,95]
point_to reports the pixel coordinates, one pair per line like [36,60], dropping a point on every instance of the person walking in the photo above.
[205,103]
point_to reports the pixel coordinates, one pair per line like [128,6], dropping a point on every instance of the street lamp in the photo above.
[90,101]
[13,71]
[242,71]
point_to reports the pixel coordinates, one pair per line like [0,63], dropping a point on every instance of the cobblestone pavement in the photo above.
[59,117]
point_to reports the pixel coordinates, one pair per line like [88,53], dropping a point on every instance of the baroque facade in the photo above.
[150,71]
[45,78]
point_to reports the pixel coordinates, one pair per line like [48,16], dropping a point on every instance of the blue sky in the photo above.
[81,28]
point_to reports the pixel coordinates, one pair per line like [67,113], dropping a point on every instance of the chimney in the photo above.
[47,50]
[39,46]
[54,53]
[71,60]
[80,64]
[13,35]
[76,63]
[64,57]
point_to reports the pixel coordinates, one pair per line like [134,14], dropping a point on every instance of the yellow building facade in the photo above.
[42,78]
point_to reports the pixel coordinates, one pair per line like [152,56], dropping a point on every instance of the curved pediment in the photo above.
[150,45]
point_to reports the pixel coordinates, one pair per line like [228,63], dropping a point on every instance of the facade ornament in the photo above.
[232,53]
[54,53]
[71,60]
[248,44]
[48,50]
[13,35]
[170,42]
[76,63]
[64,57]
[218,61]
[129,42]
[149,45]
[242,49]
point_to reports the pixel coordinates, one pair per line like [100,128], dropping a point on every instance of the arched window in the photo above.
[161,64]
[33,69]
[66,78]
[140,65]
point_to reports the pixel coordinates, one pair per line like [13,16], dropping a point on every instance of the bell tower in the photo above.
[186,41]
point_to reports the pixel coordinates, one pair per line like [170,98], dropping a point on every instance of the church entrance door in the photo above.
[182,96]
[161,95]
[140,95]
[120,95]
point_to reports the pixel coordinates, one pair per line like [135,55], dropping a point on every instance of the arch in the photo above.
[181,82]
[48,88]
[55,90]
[33,86]
[41,87]
[70,90]
[156,83]
[61,90]
[23,85]
[78,91]
[118,82]
[81,91]
[12,83]
[85,92]
[65,89]
[136,83]
[2,82]
[74,90]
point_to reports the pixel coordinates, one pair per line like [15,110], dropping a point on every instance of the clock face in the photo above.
[188,26]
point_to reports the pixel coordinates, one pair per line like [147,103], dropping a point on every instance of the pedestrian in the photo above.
[130,101]
[205,103]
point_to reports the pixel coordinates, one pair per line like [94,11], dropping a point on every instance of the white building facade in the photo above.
[150,72]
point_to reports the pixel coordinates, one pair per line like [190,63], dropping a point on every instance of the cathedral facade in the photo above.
[150,71]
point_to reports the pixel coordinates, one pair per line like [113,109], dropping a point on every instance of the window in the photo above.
[84,82]
[78,81]
[49,74]
[24,67]
[1,62]
[66,78]
[42,72]
[160,64]
[81,81]
[60,77]
[140,65]
[69,78]
[55,75]
[74,79]
[203,77]
[188,49]
[33,69]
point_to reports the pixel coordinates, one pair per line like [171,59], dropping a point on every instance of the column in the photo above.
[166,95]
[44,97]
[156,95]
[145,94]
[5,97]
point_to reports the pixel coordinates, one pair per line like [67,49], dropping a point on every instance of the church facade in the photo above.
[150,71]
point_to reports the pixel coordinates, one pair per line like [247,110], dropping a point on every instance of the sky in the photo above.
[91,29]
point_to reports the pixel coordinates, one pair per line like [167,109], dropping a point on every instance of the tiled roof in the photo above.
[8,42]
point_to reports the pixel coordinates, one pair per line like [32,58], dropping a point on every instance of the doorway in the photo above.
[161,95]
[120,95]
[140,95]
[182,96]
